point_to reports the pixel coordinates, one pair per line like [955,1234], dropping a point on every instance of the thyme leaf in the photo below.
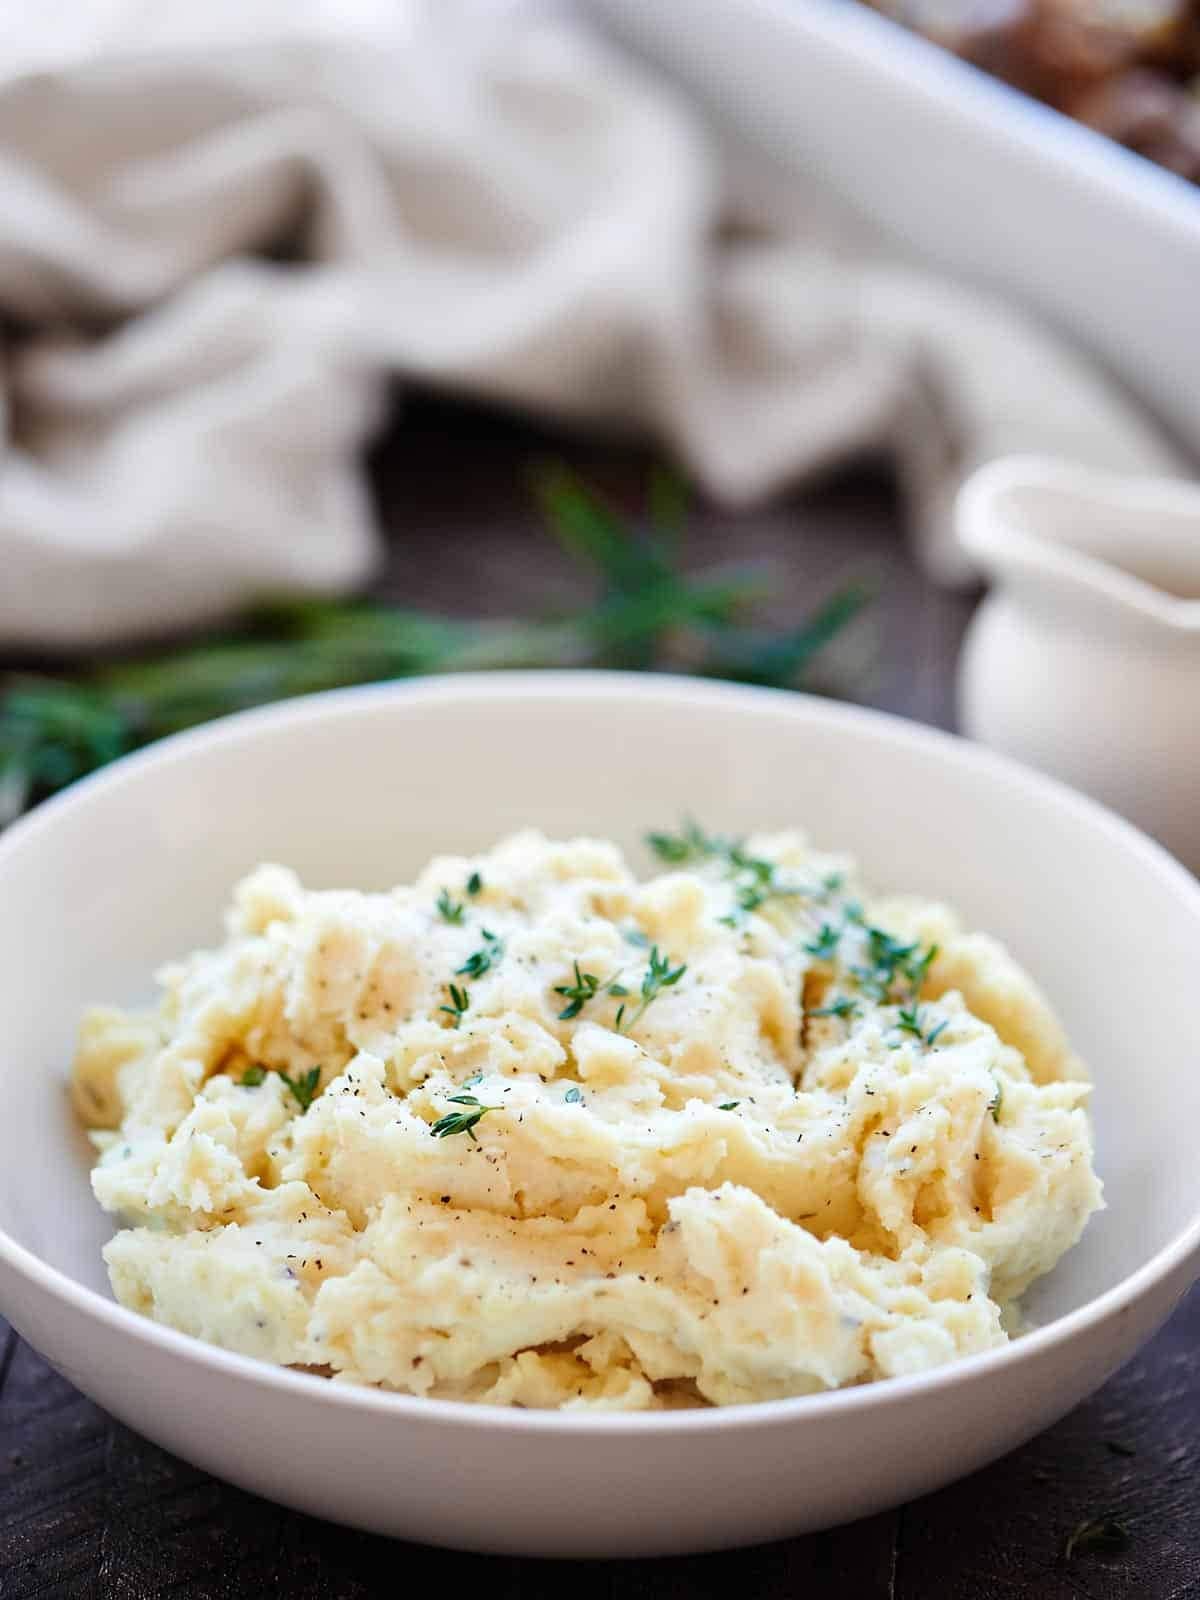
[483,959]
[659,975]
[449,910]
[459,1002]
[304,1086]
[842,1007]
[461,1121]
[1105,1534]
[824,946]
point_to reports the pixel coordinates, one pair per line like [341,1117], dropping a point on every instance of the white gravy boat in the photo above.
[1084,658]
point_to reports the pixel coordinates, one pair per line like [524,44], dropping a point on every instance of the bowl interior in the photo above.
[134,867]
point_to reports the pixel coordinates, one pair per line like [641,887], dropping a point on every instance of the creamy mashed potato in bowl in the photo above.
[531,1132]
[578,1196]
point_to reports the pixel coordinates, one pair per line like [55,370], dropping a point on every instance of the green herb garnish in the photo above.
[303,1087]
[842,1007]
[890,963]
[459,1001]
[729,1105]
[483,959]
[659,975]
[911,1020]
[691,843]
[824,946]
[573,1095]
[449,910]
[461,1121]
[996,1101]
[585,987]
[755,880]
[474,884]
[1106,1535]
[649,613]
[755,883]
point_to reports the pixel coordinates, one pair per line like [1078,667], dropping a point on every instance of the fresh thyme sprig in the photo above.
[755,880]
[911,1021]
[461,1121]
[824,946]
[448,909]
[659,975]
[303,1087]
[585,987]
[889,963]
[843,1007]
[483,959]
[649,614]
[691,843]
[460,1000]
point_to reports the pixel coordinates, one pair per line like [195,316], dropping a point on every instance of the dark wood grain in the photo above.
[89,1509]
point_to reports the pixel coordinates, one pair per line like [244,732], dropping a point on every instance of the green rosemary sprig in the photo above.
[57,728]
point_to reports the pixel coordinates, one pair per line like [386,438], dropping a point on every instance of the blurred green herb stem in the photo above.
[649,614]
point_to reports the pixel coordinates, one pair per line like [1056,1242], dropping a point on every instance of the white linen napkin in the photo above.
[226,227]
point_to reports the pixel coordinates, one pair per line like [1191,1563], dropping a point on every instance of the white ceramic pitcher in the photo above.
[1084,659]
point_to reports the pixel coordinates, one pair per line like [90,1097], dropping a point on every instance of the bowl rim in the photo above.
[552,685]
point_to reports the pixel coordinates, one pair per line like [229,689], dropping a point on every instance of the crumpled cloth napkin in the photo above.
[226,228]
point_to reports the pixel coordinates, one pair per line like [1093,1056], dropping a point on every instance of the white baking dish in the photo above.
[969,174]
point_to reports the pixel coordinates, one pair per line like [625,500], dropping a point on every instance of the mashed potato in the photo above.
[534,1133]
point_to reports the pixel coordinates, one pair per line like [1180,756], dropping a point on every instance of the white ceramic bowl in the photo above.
[133,866]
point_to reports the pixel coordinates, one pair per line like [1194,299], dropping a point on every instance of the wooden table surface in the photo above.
[88,1508]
